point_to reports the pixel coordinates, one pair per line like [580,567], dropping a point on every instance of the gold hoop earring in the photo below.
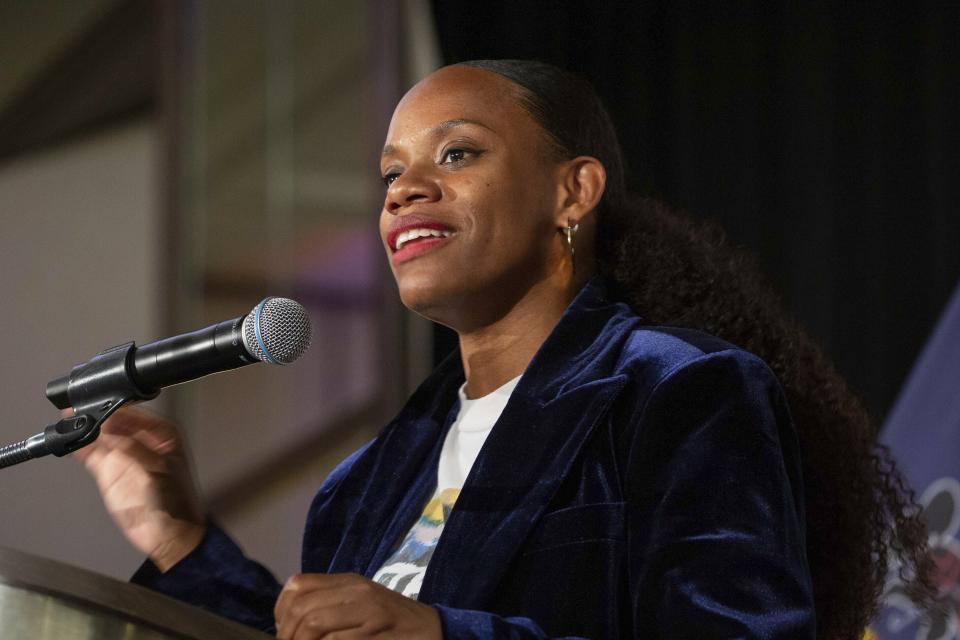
[570,232]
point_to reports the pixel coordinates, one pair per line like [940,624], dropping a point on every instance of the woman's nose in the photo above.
[411,187]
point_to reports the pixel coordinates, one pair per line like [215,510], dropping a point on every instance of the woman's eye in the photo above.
[455,156]
[389,178]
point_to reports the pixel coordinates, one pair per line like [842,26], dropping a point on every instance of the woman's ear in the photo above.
[582,181]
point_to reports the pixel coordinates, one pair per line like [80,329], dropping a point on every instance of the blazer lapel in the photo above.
[388,485]
[555,408]
[519,469]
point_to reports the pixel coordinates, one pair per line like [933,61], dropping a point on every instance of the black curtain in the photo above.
[824,140]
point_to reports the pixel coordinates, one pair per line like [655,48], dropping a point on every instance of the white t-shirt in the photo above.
[404,569]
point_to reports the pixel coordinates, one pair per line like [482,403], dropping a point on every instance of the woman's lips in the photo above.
[412,235]
[412,223]
[413,248]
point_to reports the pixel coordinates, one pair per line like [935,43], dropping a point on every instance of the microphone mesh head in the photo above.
[284,331]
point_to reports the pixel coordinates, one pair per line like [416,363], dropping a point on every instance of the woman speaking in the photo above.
[630,441]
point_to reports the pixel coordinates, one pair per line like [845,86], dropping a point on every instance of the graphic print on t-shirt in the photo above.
[403,571]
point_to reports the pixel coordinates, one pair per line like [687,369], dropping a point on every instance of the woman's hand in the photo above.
[313,605]
[144,478]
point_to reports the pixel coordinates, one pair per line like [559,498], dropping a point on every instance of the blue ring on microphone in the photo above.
[256,331]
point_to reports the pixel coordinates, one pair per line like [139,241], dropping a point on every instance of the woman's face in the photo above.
[468,217]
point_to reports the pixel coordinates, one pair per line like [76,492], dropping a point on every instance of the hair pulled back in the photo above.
[860,513]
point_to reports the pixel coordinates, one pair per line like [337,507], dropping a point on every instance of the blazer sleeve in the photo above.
[218,577]
[715,540]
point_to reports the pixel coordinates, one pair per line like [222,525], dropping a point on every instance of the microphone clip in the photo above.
[95,389]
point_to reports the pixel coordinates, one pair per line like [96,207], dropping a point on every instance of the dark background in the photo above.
[823,139]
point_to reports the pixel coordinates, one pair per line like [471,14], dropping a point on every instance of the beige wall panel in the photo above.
[78,274]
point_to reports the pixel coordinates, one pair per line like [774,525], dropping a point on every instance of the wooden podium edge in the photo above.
[122,599]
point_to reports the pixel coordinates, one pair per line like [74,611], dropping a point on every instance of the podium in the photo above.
[42,599]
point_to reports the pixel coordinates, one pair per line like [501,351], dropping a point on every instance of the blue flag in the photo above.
[923,432]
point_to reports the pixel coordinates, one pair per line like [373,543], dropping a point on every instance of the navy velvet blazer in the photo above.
[643,481]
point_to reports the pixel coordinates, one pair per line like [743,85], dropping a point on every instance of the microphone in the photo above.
[276,331]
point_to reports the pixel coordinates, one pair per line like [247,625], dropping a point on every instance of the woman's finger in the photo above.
[152,430]
[90,455]
[317,613]
[93,454]
[321,618]
[303,583]
[146,456]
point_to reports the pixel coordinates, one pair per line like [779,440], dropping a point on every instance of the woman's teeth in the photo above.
[413,234]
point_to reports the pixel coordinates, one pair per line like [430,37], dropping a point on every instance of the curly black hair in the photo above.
[860,512]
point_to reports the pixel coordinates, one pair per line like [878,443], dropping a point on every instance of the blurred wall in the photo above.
[255,174]
[34,32]
[279,199]
[78,258]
